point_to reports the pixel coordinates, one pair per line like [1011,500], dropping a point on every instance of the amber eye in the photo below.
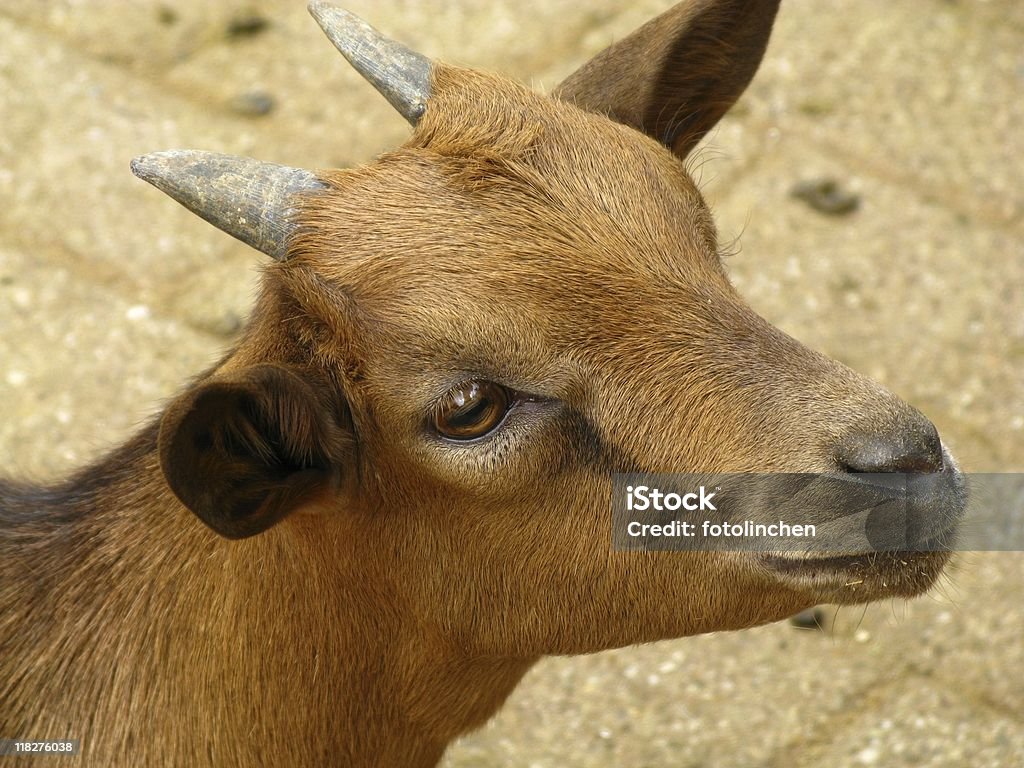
[471,410]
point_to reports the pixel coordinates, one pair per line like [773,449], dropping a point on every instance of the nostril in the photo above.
[916,449]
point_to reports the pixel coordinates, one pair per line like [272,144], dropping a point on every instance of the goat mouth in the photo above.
[850,564]
[937,502]
[861,577]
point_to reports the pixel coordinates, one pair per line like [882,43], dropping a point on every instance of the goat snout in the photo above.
[906,447]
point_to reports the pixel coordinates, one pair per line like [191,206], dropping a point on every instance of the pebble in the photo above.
[166,15]
[246,25]
[254,103]
[812,618]
[826,196]
[137,312]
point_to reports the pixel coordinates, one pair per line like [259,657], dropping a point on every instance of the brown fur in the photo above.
[388,590]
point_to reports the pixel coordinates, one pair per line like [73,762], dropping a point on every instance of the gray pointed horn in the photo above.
[246,198]
[401,75]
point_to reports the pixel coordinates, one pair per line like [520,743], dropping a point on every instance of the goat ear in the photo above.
[676,76]
[244,449]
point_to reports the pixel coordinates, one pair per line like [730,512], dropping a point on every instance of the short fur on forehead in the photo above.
[474,113]
[489,154]
[501,128]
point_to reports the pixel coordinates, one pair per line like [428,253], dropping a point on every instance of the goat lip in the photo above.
[940,544]
[852,580]
[844,565]
[849,579]
[813,565]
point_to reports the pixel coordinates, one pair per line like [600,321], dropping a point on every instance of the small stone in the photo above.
[827,196]
[246,25]
[812,618]
[815,108]
[868,756]
[166,15]
[253,103]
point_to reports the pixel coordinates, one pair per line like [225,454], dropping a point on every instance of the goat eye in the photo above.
[472,410]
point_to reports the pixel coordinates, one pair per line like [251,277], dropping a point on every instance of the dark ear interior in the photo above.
[676,76]
[244,449]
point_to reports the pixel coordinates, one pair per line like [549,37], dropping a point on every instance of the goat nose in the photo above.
[913,448]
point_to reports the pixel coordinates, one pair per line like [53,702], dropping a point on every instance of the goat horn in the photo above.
[246,198]
[402,76]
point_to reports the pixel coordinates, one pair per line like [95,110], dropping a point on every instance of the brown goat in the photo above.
[404,467]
